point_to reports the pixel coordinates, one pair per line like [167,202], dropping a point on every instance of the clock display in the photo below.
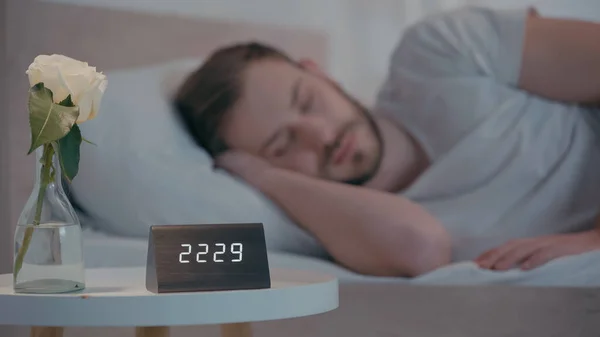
[204,250]
[207,257]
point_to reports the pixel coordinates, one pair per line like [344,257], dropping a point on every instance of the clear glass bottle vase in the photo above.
[48,239]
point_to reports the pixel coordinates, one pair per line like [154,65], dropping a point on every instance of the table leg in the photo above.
[152,331]
[46,331]
[236,330]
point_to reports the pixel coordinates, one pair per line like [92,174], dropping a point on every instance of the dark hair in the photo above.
[214,89]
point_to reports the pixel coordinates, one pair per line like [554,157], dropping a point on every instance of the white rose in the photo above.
[65,76]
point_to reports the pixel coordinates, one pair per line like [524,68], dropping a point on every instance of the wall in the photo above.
[5,228]
[12,123]
[361,33]
[16,138]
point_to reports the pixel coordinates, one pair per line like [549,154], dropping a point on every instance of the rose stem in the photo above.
[44,181]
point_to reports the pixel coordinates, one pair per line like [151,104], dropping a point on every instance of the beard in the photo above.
[365,117]
[365,177]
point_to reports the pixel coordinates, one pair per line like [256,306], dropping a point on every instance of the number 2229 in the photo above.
[235,248]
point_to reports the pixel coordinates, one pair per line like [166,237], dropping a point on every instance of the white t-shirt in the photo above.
[505,164]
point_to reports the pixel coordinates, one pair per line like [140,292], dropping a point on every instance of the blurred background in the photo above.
[351,39]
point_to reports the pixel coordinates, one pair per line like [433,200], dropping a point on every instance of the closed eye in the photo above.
[308,103]
[279,153]
[282,150]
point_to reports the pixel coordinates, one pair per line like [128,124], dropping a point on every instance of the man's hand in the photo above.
[248,167]
[531,253]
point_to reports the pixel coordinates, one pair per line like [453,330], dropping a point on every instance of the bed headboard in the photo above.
[108,39]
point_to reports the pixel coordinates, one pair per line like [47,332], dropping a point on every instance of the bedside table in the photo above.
[118,297]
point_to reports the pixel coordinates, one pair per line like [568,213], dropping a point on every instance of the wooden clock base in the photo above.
[236,330]
[227,330]
[42,331]
[153,331]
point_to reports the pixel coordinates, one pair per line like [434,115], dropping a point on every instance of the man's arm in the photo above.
[367,231]
[561,59]
[558,59]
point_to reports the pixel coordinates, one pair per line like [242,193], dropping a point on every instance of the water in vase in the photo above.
[54,259]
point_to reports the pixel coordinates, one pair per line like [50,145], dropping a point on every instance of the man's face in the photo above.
[295,118]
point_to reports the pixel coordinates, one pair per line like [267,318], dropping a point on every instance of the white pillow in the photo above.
[146,170]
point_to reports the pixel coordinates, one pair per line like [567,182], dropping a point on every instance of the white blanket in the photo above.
[573,271]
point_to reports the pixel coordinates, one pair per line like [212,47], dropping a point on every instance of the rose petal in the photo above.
[77,84]
[63,76]
[52,80]
[44,59]
[97,96]
[34,73]
[103,82]
[63,90]
[85,106]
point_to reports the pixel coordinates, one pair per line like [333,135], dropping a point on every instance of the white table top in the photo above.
[118,297]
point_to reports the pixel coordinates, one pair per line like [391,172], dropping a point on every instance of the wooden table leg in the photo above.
[46,331]
[152,331]
[236,330]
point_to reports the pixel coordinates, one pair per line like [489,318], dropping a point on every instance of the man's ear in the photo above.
[312,67]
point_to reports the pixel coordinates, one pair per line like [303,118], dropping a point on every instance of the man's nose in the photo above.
[316,133]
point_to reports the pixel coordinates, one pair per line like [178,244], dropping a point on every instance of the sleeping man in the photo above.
[483,144]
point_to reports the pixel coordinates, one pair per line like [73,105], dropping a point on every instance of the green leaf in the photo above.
[69,154]
[67,102]
[48,121]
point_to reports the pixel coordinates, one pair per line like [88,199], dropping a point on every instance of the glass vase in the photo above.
[48,238]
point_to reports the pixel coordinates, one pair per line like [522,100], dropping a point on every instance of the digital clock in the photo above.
[184,258]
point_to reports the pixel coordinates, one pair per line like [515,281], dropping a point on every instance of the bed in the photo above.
[559,299]
[146,170]
[562,299]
